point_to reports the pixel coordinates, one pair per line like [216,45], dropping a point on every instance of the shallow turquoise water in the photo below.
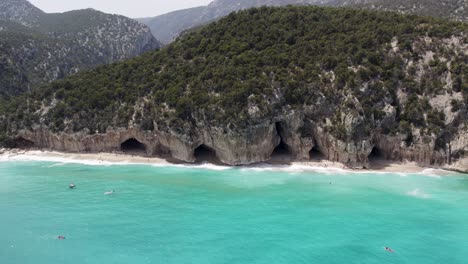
[187,215]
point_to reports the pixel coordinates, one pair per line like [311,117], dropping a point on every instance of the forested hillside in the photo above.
[36,47]
[345,81]
[169,26]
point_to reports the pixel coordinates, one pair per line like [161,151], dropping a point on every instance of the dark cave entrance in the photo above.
[376,158]
[315,154]
[205,154]
[133,146]
[23,143]
[282,153]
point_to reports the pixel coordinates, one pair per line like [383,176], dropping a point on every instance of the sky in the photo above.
[129,8]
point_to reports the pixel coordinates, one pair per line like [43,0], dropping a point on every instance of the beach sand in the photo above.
[121,158]
[17,154]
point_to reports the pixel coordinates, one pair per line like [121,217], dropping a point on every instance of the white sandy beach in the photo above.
[95,158]
[120,158]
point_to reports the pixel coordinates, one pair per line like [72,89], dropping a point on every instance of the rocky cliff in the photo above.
[348,86]
[38,48]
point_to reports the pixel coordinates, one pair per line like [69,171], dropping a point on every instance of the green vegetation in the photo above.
[51,46]
[166,27]
[338,62]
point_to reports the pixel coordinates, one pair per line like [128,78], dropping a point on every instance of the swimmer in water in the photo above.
[109,192]
[72,186]
[61,237]
[389,249]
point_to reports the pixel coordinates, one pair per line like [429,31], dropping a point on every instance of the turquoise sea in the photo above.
[217,215]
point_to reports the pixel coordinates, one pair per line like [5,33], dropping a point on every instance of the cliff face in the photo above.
[257,144]
[36,47]
[349,86]
[303,135]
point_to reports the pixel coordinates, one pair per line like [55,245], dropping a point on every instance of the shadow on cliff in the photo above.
[316,155]
[377,160]
[22,143]
[204,154]
[281,155]
[133,147]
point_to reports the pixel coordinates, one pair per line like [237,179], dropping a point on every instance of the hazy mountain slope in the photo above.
[40,47]
[20,11]
[167,27]
[340,81]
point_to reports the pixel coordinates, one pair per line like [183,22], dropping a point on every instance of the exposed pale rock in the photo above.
[256,144]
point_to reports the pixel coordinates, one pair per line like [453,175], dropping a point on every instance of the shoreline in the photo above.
[108,159]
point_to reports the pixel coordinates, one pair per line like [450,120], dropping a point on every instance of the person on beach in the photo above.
[72,186]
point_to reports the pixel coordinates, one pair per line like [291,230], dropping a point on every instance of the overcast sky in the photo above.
[130,8]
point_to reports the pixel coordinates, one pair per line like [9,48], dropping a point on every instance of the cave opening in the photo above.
[205,154]
[282,152]
[23,143]
[315,154]
[376,158]
[376,154]
[133,146]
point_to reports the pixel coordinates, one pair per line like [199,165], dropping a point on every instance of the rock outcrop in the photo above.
[257,144]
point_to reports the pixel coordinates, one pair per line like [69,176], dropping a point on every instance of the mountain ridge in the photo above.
[43,47]
[20,11]
[168,26]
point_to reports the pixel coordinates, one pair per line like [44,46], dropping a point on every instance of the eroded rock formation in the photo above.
[256,144]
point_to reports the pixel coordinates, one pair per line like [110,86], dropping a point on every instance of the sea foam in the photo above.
[418,193]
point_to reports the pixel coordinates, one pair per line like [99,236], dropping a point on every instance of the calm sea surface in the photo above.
[240,215]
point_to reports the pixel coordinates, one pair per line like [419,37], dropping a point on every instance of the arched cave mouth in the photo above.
[376,158]
[205,154]
[23,143]
[315,154]
[133,146]
[282,153]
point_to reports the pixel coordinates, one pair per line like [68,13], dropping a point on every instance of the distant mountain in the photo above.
[36,47]
[20,11]
[167,27]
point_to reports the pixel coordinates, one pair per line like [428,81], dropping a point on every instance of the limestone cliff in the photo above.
[348,86]
[257,145]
